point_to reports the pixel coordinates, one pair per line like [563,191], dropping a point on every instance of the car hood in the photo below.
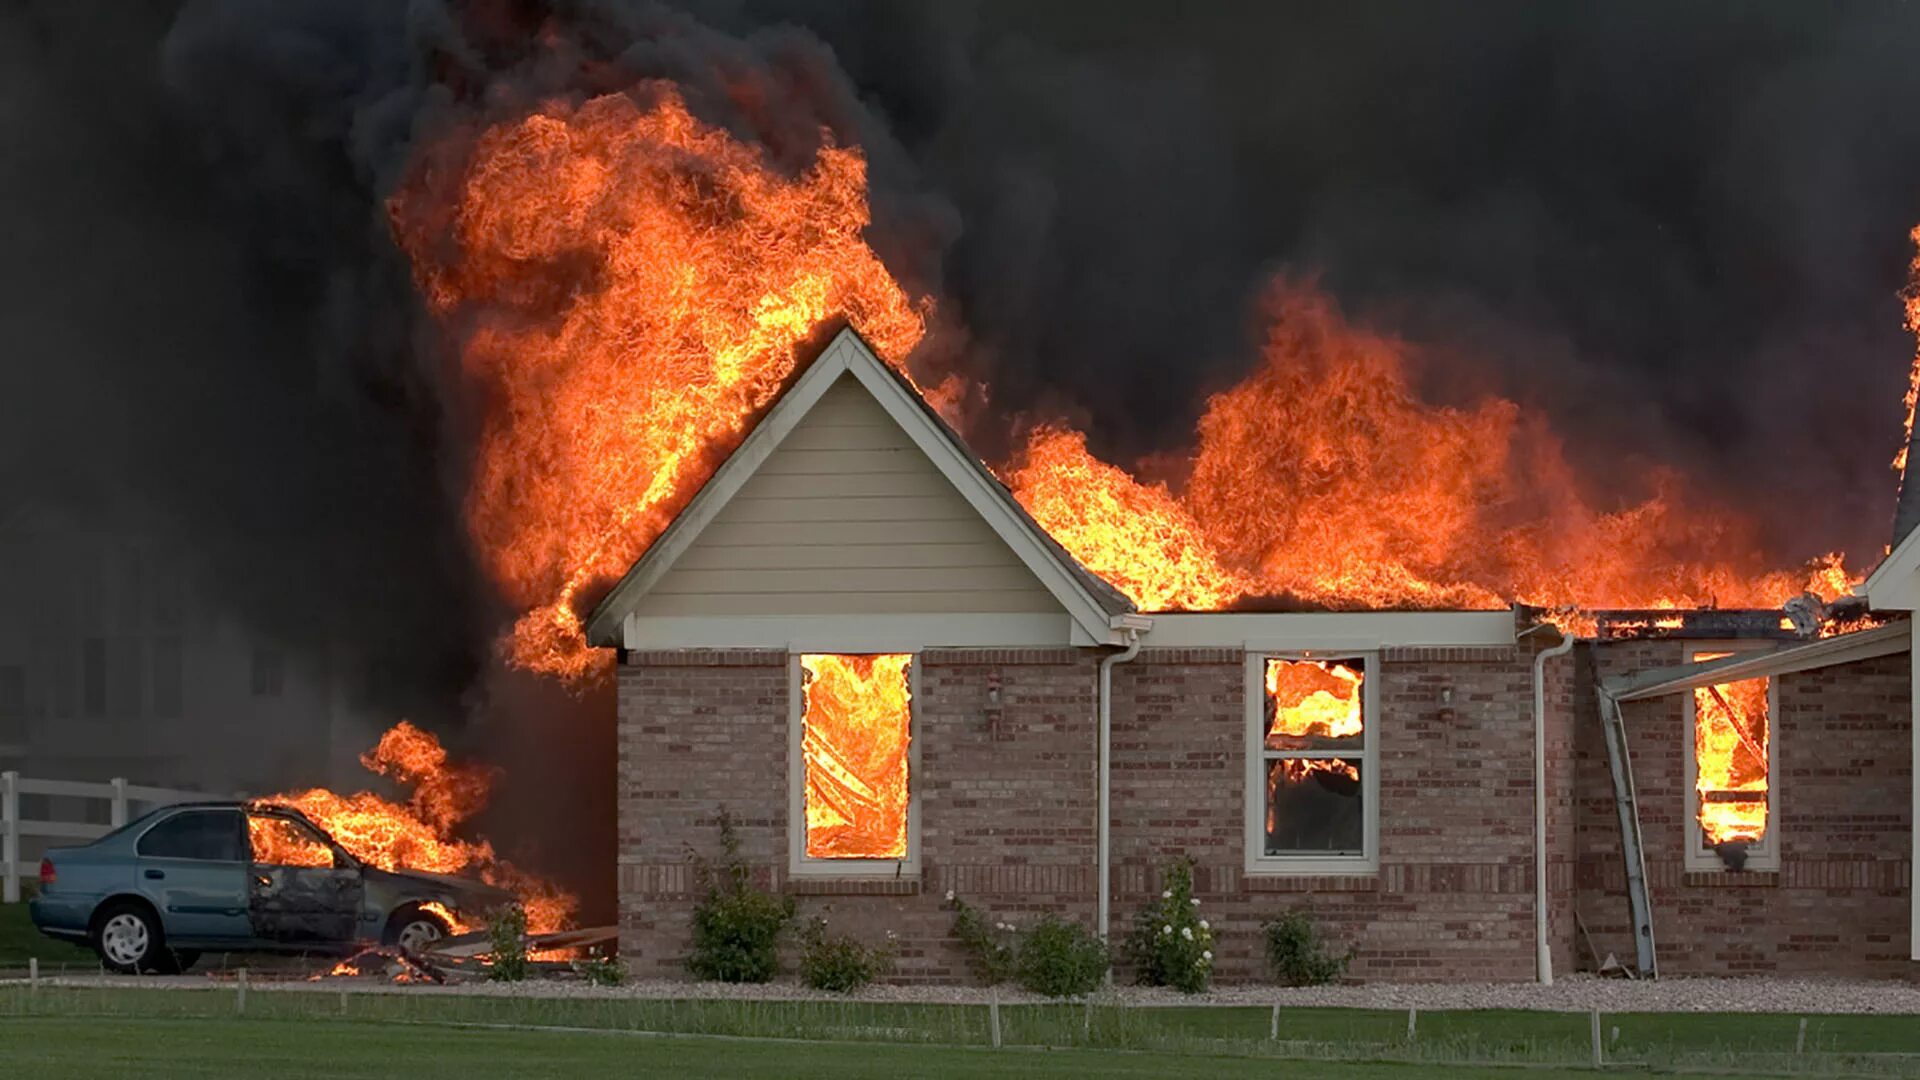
[466,892]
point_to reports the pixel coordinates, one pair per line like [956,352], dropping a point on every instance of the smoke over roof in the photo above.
[1680,232]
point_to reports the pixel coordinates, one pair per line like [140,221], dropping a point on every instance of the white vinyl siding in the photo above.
[847,517]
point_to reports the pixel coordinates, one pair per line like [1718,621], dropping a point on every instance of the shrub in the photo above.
[1060,958]
[1171,944]
[1296,954]
[506,933]
[736,926]
[600,969]
[838,962]
[991,948]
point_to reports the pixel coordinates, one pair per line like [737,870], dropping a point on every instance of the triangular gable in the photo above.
[844,364]
[1894,585]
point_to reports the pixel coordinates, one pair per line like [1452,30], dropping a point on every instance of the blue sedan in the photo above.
[237,877]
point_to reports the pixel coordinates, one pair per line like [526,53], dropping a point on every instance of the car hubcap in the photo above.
[418,936]
[125,939]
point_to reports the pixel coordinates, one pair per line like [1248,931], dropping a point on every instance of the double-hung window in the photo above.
[853,808]
[1312,778]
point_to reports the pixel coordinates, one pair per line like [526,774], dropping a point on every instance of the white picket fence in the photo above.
[117,792]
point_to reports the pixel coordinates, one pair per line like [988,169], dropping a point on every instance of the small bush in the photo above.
[1171,944]
[1295,952]
[736,926]
[992,948]
[840,963]
[600,969]
[1061,959]
[506,933]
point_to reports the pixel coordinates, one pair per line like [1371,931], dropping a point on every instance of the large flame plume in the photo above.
[1323,477]
[416,834]
[632,285]
[854,742]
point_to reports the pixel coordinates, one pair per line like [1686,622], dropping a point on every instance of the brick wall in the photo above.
[1008,802]
[1007,795]
[1843,807]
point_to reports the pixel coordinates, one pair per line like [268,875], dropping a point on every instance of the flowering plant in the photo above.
[1171,944]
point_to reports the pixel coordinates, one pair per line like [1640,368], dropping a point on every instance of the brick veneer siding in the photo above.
[1008,800]
[1843,808]
[1007,796]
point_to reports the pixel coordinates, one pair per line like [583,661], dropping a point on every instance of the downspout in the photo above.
[1543,956]
[1105,867]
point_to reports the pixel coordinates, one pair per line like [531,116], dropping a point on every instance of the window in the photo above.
[1730,769]
[13,703]
[167,678]
[853,748]
[212,835]
[1312,785]
[280,841]
[93,676]
[269,672]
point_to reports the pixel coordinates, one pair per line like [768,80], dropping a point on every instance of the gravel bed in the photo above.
[1577,993]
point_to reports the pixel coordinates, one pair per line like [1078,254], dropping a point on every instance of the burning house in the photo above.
[858,642]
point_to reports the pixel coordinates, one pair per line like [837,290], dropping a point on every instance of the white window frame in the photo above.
[1763,857]
[1258,862]
[799,863]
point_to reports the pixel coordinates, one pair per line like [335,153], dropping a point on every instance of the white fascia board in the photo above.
[853,633]
[1826,652]
[1323,630]
[966,477]
[1892,585]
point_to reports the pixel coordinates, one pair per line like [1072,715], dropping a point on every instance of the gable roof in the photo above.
[1089,601]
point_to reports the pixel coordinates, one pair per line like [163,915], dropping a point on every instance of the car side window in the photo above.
[211,835]
[280,841]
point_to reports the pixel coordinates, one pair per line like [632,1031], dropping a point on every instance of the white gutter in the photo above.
[1133,626]
[1543,955]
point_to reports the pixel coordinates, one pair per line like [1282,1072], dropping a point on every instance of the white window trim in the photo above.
[1763,857]
[1258,862]
[799,863]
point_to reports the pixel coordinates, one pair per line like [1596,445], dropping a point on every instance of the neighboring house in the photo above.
[111,665]
[857,643]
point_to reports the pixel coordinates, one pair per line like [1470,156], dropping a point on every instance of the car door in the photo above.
[301,888]
[192,864]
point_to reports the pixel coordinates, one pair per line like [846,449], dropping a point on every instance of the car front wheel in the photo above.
[129,940]
[415,931]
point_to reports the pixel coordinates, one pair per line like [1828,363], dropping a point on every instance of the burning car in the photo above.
[239,876]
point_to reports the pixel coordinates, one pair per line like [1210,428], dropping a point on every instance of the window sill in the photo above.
[852,886]
[1352,877]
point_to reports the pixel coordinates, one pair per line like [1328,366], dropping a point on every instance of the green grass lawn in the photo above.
[81,1031]
[50,1048]
[19,940]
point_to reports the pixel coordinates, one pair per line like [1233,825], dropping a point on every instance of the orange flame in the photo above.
[416,835]
[634,285]
[1312,703]
[854,743]
[1730,758]
[1324,477]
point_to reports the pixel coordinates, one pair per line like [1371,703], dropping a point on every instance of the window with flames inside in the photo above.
[1731,762]
[1314,764]
[855,737]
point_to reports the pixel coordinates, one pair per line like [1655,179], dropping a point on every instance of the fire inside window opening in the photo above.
[1314,750]
[855,730]
[278,841]
[1732,767]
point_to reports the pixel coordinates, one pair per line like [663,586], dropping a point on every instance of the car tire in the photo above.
[128,937]
[414,929]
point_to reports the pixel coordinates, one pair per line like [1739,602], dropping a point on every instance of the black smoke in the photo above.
[1678,228]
